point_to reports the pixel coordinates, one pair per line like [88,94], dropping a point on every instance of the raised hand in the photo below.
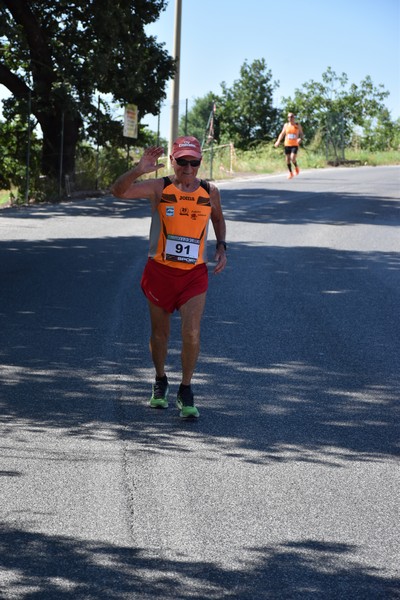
[148,162]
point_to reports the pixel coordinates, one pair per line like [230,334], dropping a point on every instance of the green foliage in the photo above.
[14,152]
[245,111]
[267,159]
[333,113]
[6,197]
[62,52]
[247,114]
[61,56]
[374,159]
[379,134]
[195,122]
[97,170]
[317,103]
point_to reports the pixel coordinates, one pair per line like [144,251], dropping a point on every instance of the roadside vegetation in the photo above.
[226,164]
[63,133]
[269,160]
[5,197]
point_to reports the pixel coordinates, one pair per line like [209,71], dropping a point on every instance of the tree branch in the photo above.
[40,53]
[12,82]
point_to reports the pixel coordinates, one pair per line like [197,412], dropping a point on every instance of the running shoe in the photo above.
[297,170]
[159,399]
[185,403]
[290,176]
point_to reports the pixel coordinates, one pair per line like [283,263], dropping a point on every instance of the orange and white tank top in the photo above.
[179,226]
[291,134]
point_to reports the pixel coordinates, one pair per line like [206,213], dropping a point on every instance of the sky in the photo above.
[298,42]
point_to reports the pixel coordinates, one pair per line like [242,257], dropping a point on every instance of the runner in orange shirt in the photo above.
[176,276]
[293,134]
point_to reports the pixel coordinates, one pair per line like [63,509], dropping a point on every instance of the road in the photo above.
[287,487]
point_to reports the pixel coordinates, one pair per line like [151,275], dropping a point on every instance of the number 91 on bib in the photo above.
[182,249]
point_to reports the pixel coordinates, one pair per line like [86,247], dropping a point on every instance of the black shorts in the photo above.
[291,149]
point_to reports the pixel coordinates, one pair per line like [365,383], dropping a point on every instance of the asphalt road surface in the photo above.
[287,487]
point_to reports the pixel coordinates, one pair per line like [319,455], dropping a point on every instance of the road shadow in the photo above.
[321,387]
[275,202]
[75,350]
[57,567]
[104,206]
[259,205]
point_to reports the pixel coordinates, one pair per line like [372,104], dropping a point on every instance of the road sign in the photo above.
[131,121]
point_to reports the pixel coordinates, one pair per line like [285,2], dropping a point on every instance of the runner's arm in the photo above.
[301,134]
[127,187]
[219,225]
[281,136]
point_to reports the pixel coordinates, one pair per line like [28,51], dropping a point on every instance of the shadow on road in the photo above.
[320,387]
[276,206]
[106,206]
[71,340]
[52,567]
[270,204]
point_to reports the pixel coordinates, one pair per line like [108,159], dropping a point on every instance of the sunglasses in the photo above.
[182,162]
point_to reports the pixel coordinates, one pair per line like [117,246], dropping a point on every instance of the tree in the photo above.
[195,122]
[380,133]
[61,53]
[247,114]
[244,114]
[317,104]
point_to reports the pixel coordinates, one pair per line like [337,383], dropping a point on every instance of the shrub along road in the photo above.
[287,486]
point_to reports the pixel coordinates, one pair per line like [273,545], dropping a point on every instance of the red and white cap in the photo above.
[186,145]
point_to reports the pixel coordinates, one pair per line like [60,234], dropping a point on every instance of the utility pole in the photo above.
[28,152]
[175,81]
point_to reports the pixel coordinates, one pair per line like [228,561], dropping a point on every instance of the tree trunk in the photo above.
[60,137]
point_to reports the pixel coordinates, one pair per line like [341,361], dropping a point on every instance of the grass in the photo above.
[227,162]
[4,197]
[375,159]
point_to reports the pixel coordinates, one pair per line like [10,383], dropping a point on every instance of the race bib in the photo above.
[292,136]
[182,249]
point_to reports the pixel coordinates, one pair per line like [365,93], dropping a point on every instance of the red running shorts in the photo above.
[170,287]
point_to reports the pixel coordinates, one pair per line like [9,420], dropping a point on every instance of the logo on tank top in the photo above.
[170,211]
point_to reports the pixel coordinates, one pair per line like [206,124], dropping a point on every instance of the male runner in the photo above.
[293,134]
[176,276]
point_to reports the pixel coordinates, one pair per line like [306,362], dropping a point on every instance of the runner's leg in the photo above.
[288,159]
[160,329]
[191,313]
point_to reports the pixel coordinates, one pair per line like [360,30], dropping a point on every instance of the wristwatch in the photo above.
[221,243]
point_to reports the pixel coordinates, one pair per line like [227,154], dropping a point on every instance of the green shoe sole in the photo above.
[158,403]
[187,412]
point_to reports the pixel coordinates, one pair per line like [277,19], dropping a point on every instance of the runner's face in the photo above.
[186,166]
[290,117]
